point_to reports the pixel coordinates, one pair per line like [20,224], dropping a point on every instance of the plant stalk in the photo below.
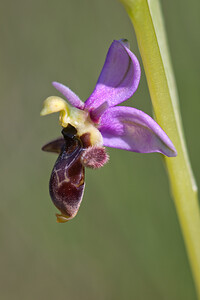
[148,23]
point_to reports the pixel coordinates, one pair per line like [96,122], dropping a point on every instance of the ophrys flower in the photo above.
[89,126]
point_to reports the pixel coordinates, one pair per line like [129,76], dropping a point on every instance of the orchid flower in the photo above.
[99,122]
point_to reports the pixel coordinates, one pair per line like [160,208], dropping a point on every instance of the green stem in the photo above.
[147,20]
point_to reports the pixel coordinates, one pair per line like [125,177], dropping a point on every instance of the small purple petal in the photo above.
[131,129]
[119,77]
[97,112]
[72,98]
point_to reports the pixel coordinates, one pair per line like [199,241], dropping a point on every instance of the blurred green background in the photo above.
[125,242]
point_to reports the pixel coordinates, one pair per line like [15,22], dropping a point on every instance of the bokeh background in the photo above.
[125,242]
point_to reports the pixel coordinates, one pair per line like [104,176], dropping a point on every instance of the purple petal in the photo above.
[131,129]
[119,77]
[72,98]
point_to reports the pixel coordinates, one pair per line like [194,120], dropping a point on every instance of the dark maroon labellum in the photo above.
[66,184]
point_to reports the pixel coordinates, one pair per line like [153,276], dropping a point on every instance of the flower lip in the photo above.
[66,184]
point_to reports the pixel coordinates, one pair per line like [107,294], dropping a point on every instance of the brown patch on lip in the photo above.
[85,139]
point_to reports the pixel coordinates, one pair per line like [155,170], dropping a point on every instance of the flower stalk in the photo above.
[147,20]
